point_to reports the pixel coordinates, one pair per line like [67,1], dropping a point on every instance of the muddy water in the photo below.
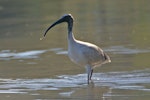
[31,69]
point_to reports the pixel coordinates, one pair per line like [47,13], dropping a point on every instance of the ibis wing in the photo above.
[93,54]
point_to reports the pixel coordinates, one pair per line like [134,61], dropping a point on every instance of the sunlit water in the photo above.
[34,69]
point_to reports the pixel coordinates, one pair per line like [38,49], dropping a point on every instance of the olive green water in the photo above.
[31,69]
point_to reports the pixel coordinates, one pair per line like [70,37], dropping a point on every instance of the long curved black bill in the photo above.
[55,23]
[50,28]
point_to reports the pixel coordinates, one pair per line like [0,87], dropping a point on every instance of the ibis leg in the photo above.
[89,73]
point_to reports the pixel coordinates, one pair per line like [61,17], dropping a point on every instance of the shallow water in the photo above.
[113,84]
[32,69]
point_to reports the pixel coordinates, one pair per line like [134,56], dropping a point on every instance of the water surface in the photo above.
[31,69]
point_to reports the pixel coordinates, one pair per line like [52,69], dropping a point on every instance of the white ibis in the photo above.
[82,53]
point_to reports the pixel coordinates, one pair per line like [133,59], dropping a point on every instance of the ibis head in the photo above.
[65,18]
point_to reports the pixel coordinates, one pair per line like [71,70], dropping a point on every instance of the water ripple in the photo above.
[134,80]
[8,55]
[33,54]
[125,50]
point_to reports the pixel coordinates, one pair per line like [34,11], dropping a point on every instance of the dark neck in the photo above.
[70,33]
[70,26]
